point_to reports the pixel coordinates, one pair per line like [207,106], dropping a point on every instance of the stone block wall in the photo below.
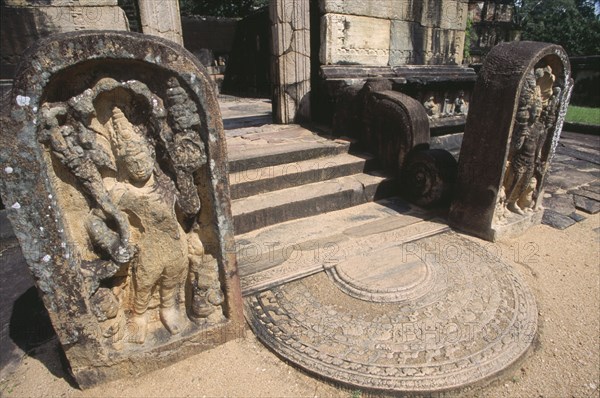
[24,22]
[392,32]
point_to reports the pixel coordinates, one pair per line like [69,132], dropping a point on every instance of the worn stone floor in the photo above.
[573,186]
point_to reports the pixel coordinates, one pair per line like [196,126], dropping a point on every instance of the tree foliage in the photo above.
[571,23]
[221,8]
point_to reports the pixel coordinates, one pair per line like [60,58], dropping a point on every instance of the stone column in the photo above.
[290,21]
[161,18]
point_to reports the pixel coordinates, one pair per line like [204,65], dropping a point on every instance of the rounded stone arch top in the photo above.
[59,52]
[488,143]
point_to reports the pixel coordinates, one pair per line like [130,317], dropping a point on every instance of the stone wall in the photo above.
[24,22]
[392,32]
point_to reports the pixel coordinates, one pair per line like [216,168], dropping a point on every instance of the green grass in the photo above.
[580,114]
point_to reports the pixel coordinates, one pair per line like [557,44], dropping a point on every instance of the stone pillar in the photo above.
[161,18]
[290,21]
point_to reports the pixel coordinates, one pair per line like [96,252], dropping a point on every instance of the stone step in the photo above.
[295,249]
[266,179]
[270,208]
[250,151]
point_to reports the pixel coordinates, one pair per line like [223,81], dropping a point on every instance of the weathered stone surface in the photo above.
[385,9]
[444,92]
[588,192]
[472,317]
[411,43]
[557,220]
[60,3]
[303,201]
[516,116]
[577,217]
[354,39]
[392,32]
[24,22]
[281,253]
[394,124]
[252,182]
[161,18]
[120,137]
[562,204]
[290,26]
[588,205]
[56,19]
[446,14]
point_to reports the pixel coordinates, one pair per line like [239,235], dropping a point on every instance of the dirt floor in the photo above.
[561,267]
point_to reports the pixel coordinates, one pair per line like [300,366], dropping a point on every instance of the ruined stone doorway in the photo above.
[271,58]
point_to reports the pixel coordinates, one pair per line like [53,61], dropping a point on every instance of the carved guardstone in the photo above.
[515,119]
[114,171]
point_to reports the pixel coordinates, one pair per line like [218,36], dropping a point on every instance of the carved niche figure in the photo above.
[527,159]
[460,104]
[516,113]
[143,221]
[431,108]
[128,234]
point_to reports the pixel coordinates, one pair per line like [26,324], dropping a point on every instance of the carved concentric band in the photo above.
[480,320]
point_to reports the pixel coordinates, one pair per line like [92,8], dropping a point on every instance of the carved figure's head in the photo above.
[556,91]
[134,154]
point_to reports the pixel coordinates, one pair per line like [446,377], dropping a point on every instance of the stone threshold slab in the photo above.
[269,261]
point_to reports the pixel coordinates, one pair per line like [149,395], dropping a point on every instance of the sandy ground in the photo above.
[561,267]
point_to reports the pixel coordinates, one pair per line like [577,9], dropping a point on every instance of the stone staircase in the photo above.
[303,203]
[292,180]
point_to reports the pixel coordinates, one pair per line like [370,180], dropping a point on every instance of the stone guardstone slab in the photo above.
[424,316]
[513,127]
[114,172]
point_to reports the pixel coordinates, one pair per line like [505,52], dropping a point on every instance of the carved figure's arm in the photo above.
[106,240]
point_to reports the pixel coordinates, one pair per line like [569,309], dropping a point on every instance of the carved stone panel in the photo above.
[114,169]
[513,126]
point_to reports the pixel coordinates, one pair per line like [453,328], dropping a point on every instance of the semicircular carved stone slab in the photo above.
[474,318]
[513,127]
[114,169]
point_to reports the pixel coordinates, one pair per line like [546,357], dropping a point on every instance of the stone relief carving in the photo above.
[459,106]
[516,113]
[129,233]
[535,122]
[431,108]
[142,221]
